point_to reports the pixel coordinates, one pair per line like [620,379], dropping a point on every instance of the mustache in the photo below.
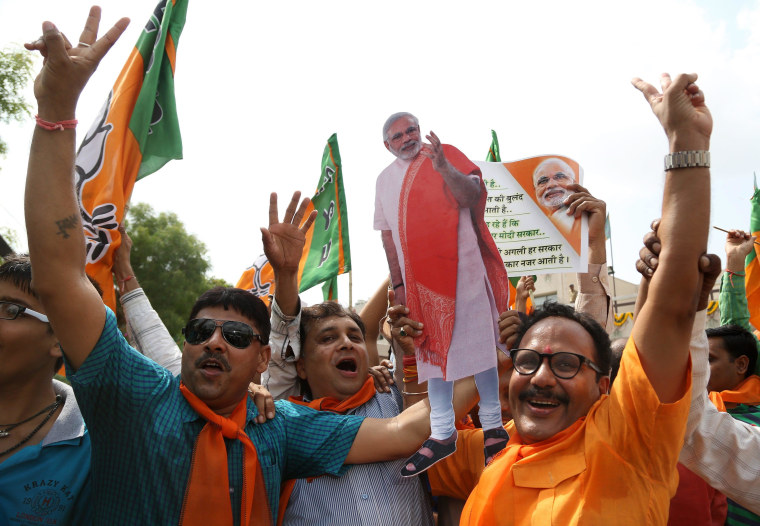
[218,358]
[533,392]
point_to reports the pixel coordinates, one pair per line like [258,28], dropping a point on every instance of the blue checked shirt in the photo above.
[143,432]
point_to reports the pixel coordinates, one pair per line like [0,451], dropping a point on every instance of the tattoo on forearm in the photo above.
[66,224]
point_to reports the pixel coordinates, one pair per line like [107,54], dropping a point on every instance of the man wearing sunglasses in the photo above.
[170,450]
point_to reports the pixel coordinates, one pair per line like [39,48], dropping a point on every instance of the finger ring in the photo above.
[83,44]
[402,332]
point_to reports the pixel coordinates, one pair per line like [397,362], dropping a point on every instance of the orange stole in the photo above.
[326,403]
[747,392]
[207,498]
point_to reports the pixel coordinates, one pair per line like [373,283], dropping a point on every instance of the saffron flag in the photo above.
[135,134]
[752,264]
[327,252]
[493,152]
[259,279]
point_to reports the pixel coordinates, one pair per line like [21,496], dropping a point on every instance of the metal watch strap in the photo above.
[687,159]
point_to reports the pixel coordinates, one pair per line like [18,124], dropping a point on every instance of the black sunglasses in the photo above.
[236,333]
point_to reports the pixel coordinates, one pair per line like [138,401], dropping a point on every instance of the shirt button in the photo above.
[595,279]
[365,496]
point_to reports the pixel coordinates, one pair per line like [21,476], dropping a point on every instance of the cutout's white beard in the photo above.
[409,153]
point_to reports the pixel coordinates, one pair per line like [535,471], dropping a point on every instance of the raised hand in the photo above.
[435,153]
[738,245]
[66,69]
[284,241]
[681,110]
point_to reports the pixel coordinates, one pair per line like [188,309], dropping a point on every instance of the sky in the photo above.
[262,85]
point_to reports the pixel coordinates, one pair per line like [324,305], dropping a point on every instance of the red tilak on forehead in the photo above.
[548,350]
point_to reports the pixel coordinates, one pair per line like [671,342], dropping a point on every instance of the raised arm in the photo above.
[372,314]
[397,277]
[593,290]
[283,245]
[147,332]
[663,327]
[53,222]
[465,187]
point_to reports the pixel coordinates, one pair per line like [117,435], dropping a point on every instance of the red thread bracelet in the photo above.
[124,282]
[408,360]
[53,126]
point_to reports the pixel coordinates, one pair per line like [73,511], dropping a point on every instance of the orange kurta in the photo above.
[615,466]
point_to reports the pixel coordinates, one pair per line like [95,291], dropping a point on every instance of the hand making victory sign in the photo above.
[66,68]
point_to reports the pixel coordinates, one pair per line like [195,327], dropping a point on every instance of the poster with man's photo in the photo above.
[527,217]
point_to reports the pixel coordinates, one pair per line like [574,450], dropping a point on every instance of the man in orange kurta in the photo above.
[577,455]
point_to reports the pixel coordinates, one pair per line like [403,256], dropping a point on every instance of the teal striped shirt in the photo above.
[143,431]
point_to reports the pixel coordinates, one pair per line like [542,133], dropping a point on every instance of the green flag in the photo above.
[607,229]
[327,252]
[493,152]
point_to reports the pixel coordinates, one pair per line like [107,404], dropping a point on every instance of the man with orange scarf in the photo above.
[577,455]
[174,450]
[734,388]
[445,267]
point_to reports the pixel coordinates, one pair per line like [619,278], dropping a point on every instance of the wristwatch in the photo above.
[687,159]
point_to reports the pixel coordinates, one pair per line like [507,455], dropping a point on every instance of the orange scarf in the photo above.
[326,403]
[497,480]
[207,498]
[747,392]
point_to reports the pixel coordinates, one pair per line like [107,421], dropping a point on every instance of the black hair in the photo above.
[603,353]
[242,301]
[738,342]
[327,309]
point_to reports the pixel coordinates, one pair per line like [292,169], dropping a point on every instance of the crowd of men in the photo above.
[148,434]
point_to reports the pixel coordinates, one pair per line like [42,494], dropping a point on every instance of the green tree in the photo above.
[15,72]
[8,239]
[170,264]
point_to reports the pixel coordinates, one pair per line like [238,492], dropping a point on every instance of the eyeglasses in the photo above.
[11,311]
[564,365]
[411,130]
[236,333]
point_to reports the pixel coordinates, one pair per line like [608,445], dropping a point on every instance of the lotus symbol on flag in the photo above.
[99,223]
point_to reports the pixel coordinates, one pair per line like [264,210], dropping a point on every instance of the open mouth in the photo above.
[543,404]
[347,364]
[212,365]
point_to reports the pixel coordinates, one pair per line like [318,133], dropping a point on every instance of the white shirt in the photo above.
[724,451]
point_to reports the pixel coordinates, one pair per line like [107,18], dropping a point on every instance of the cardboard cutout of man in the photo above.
[446,269]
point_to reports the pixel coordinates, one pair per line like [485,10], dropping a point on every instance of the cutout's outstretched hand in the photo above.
[66,68]
[680,108]
[435,153]
[284,241]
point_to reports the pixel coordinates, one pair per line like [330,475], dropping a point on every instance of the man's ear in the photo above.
[387,146]
[265,353]
[742,363]
[56,351]
[604,385]
[301,369]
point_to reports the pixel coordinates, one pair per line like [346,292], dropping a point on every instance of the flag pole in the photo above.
[350,289]
[612,261]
